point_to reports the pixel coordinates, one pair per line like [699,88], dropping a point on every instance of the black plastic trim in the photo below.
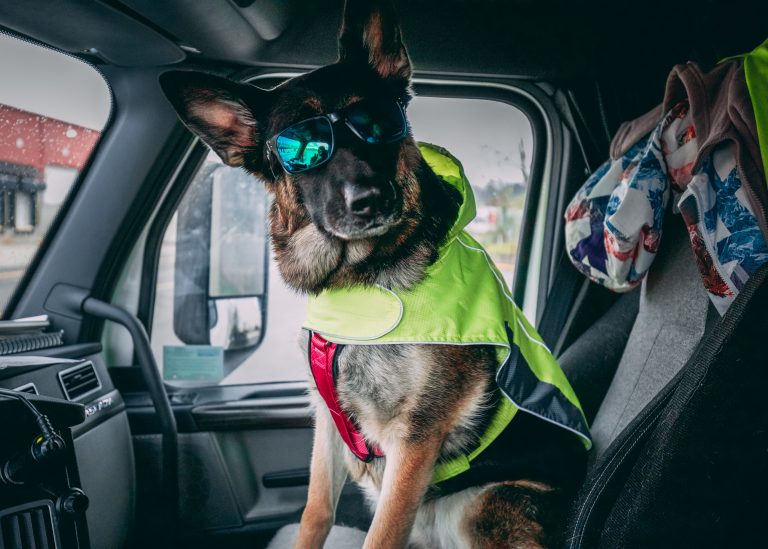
[51,533]
[152,247]
[262,397]
[286,479]
[99,410]
[25,388]
[79,350]
[140,212]
[75,301]
[63,413]
[280,413]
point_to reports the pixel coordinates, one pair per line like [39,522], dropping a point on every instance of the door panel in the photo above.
[251,456]
[206,496]
[244,455]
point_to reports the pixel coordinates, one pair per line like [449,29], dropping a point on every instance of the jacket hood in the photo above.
[448,168]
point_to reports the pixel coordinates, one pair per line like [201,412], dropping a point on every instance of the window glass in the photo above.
[200,335]
[494,142]
[53,109]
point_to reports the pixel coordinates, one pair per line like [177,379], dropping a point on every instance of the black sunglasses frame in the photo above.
[334,118]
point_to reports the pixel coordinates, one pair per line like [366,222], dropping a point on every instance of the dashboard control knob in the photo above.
[73,501]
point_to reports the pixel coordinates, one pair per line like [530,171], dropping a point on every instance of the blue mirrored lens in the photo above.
[305,145]
[377,121]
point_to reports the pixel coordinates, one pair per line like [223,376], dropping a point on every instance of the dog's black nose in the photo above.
[364,201]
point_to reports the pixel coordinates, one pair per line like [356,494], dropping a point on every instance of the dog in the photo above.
[359,209]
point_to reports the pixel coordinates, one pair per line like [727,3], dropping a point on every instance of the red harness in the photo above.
[322,357]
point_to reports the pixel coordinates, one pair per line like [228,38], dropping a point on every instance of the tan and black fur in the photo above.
[374,214]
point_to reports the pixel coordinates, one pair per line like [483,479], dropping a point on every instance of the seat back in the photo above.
[691,470]
[670,322]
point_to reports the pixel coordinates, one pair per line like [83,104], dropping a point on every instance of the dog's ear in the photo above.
[220,112]
[370,34]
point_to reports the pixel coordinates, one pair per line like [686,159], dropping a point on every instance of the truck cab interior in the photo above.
[152,392]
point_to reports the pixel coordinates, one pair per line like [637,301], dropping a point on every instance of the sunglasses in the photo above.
[310,143]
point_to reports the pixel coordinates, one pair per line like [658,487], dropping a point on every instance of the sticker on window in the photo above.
[193,363]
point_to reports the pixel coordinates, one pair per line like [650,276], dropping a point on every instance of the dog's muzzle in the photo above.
[369,211]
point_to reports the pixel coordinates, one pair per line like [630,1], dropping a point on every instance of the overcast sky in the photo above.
[52,84]
[484,135]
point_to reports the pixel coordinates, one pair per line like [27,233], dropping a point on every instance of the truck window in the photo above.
[201,335]
[53,108]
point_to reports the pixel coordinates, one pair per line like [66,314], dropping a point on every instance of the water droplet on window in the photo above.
[71,132]
[19,143]
[65,151]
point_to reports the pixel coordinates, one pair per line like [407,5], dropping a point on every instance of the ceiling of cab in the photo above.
[542,39]
[86,26]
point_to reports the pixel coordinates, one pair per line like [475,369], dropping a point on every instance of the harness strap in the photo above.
[322,354]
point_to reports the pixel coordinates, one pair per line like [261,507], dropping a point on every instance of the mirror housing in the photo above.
[221,260]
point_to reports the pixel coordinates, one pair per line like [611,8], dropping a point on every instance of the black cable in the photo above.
[42,420]
[7,393]
[45,448]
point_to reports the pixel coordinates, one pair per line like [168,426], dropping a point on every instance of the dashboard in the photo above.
[75,487]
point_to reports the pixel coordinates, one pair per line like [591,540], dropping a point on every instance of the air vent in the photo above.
[27,388]
[79,381]
[28,527]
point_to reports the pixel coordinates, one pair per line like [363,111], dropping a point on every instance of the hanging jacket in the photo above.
[462,300]
[706,147]
[728,103]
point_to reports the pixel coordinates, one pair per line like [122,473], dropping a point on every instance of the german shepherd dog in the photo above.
[376,214]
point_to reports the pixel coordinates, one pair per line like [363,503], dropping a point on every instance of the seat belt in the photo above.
[568,282]
[573,106]
[565,287]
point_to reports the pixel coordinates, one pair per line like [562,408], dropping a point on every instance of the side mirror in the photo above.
[221,260]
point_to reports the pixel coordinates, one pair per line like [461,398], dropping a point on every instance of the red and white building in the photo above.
[40,158]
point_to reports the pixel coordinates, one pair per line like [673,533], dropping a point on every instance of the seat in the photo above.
[622,361]
[341,537]
[670,316]
[681,449]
